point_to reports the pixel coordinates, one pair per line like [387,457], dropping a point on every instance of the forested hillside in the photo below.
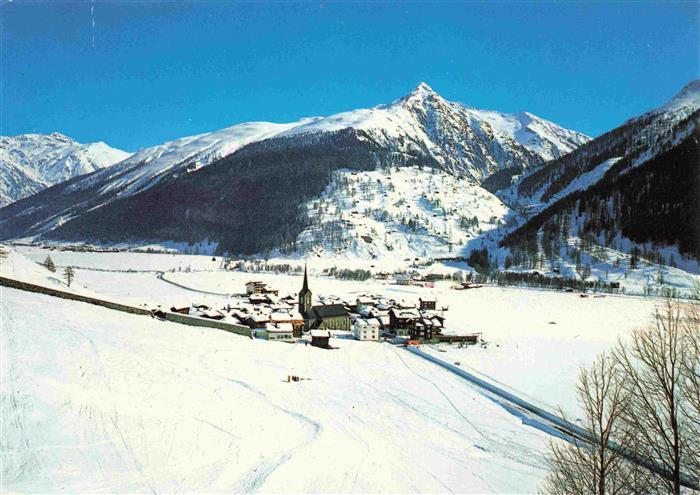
[656,202]
[247,202]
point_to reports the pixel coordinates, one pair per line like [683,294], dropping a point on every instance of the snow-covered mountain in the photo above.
[32,162]
[147,166]
[209,185]
[400,213]
[463,140]
[638,140]
[630,194]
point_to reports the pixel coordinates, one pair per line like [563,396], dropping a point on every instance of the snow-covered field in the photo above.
[123,261]
[96,400]
[537,339]
[99,401]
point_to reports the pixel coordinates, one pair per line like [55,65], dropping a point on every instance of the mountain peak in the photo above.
[423,90]
[423,87]
[419,95]
[62,137]
[687,99]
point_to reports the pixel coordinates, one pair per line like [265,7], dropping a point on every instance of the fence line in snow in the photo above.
[167,315]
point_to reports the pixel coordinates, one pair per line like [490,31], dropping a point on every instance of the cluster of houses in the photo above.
[368,317]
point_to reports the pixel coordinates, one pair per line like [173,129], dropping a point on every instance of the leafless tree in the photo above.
[594,468]
[645,397]
[690,406]
[652,364]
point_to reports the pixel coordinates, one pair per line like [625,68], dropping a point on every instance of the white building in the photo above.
[365,330]
[279,331]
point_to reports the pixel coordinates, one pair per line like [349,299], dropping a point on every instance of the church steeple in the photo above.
[305,288]
[305,295]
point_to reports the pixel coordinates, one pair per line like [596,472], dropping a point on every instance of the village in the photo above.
[369,317]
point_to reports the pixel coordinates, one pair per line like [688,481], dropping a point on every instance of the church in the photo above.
[324,316]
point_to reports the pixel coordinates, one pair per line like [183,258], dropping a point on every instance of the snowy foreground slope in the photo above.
[98,401]
[32,162]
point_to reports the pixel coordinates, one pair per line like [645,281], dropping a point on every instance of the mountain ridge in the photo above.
[32,162]
[420,129]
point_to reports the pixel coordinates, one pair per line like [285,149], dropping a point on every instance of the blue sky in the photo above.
[154,71]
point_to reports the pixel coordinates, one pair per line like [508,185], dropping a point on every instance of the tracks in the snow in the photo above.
[544,420]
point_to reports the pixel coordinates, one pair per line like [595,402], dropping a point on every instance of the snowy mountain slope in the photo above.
[541,136]
[633,190]
[93,402]
[401,126]
[463,140]
[399,213]
[32,162]
[171,185]
[641,216]
[145,167]
[637,140]
[685,102]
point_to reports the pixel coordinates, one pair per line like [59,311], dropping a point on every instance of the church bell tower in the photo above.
[305,296]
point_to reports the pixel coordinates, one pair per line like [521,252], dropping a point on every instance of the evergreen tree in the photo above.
[69,275]
[49,264]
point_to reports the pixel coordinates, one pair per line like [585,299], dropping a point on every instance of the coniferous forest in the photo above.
[656,202]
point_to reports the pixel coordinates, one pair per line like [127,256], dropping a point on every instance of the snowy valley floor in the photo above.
[99,401]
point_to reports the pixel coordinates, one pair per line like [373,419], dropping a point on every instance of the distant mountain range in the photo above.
[243,164]
[337,184]
[32,162]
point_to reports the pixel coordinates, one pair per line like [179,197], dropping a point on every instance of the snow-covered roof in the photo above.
[320,333]
[279,327]
[283,316]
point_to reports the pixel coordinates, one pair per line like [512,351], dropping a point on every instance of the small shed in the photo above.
[320,338]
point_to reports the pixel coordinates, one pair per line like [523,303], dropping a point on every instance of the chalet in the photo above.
[257,287]
[260,299]
[325,316]
[256,320]
[211,315]
[254,287]
[427,303]
[402,321]
[295,319]
[424,328]
[291,300]
[363,302]
[320,338]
